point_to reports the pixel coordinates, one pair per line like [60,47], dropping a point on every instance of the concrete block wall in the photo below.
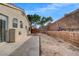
[71,37]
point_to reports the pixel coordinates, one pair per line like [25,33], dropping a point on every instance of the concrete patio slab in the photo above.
[7,48]
[29,48]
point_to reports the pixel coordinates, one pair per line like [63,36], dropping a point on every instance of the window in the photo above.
[21,24]
[15,23]
[29,29]
[26,27]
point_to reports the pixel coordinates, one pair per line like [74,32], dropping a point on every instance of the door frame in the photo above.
[7,33]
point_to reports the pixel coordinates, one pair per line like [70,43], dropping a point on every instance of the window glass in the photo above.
[15,23]
[26,27]
[21,24]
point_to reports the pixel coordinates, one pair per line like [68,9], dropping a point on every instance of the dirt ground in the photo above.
[51,46]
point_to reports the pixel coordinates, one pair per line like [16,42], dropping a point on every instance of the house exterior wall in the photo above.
[15,13]
[68,22]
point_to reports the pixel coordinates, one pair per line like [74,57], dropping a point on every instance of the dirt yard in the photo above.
[51,46]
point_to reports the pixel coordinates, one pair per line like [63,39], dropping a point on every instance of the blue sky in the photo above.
[55,10]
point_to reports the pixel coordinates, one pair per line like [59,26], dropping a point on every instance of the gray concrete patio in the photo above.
[29,48]
[7,48]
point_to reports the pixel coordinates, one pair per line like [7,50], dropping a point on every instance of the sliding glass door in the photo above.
[2,31]
[3,28]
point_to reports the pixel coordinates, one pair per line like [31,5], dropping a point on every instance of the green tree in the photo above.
[37,20]
[49,19]
[44,20]
[34,19]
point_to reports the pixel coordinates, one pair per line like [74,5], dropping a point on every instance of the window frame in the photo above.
[21,24]
[15,23]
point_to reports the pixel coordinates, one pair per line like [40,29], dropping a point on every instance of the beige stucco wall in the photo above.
[15,13]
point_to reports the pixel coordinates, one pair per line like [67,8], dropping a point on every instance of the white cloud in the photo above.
[49,7]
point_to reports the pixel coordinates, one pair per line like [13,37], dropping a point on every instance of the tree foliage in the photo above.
[39,20]
[33,18]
